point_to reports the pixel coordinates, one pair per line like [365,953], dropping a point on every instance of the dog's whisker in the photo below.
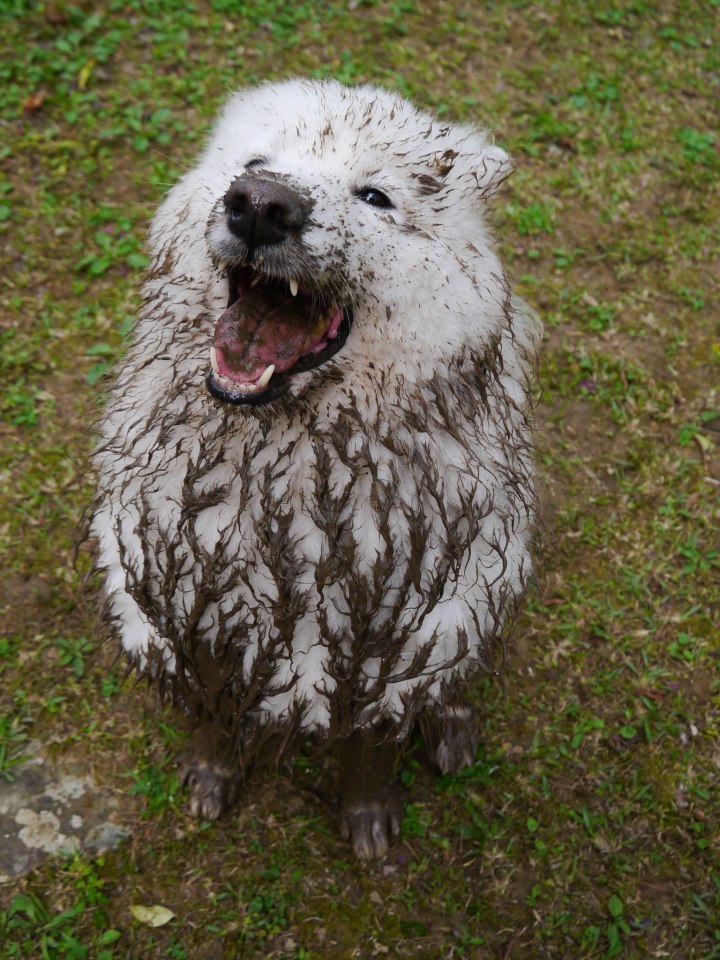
[167,156]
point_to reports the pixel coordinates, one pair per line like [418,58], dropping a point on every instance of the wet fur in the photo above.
[351,555]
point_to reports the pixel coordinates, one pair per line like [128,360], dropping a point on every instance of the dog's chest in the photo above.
[295,510]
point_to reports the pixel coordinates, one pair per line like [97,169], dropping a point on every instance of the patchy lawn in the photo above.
[590,824]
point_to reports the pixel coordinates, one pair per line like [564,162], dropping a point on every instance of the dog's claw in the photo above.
[452,741]
[370,826]
[453,755]
[214,789]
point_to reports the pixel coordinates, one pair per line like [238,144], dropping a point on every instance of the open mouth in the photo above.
[271,330]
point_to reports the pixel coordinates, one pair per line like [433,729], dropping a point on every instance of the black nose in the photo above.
[262,212]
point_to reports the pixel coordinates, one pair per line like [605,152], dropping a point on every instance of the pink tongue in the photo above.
[263,326]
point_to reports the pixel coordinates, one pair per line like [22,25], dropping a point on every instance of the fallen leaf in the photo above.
[155,916]
[33,103]
[85,74]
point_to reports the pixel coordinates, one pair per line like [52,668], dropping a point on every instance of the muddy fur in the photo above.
[350,554]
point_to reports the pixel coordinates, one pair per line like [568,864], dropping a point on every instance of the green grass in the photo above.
[588,826]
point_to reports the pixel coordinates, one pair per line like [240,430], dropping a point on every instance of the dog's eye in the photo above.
[376,198]
[255,162]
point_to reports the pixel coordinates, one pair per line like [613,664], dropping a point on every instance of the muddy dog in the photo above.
[315,484]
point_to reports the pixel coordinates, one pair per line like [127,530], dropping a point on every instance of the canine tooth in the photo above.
[213,360]
[293,287]
[265,378]
[222,265]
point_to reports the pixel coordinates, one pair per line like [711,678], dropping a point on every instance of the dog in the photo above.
[315,494]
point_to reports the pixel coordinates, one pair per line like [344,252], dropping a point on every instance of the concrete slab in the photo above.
[51,809]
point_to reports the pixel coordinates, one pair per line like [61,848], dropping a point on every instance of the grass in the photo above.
[589,824]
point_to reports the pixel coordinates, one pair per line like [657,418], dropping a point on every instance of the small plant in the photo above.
[617,926]
[698,146]
[417,821]
[29,928]
[102,366]
[110,684]
[13,740]
[536,218]
[685,647]
[596,91]
[159,788]
[20,404]
[694,298]
[705,913]
[565,258]
[697,558]
[73,652]
[600,316]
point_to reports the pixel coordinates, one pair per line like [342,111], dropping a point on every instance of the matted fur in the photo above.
[354,551]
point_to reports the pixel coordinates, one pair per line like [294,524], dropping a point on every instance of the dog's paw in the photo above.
[370,825]
[214,789]
[455,742]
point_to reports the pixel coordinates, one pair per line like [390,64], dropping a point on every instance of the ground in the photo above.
[589,825]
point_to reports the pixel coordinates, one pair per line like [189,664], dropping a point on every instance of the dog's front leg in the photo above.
[370,808]
[211,773]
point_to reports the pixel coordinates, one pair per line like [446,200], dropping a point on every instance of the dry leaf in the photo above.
[155,916]
[33,103]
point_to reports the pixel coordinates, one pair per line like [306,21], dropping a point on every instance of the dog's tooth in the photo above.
[293,286]
[213,359]
[265,378]
[222,265]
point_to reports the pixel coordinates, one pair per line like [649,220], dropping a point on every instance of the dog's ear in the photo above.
[493,167]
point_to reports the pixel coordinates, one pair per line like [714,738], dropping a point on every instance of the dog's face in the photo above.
[338,212]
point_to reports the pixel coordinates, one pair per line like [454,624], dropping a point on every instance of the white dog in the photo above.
[315,483]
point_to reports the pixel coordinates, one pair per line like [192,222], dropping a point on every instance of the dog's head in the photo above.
[349,227]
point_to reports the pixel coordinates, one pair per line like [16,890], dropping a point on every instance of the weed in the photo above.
[685,647]
[417,821]
[159,788]
[532,219]
[110,685]
[698,559]
[596,91]
[29,928]
[694,298]
[600,316]
[617,927]
[102,367]
[565,258]
[72,653]
[13,741]
[698,146]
